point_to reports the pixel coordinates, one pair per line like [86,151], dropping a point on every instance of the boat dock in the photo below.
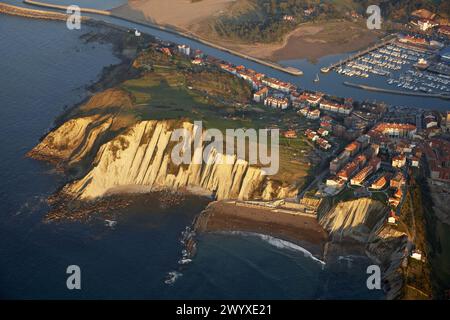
[379,45]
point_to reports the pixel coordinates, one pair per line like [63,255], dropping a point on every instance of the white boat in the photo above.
[317,79]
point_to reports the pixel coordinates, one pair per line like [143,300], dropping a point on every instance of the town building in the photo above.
[323,132]
[348,171]
[361,176]
[274,102]
[415,162]
[381,182]
[197,61]
[338,162]
[335,107]
[394,202]
[291,134]
[392,220]
[261,94]
[334,182]
[184,49]
[399,161]
[398,194]
[353,148]
[416,255]
[313,114]
[398,181]
[393,130]
[278,85]
[308,99]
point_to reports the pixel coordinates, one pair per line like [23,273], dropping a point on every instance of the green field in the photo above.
[171,88]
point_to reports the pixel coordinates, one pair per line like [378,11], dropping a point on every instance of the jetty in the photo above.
[390,39]
[405,93]
[31,13]
[64,8]
[290,70]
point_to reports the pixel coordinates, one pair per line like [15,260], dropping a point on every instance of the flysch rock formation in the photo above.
[140,159]
[363,221]
[72,141]
[354,219]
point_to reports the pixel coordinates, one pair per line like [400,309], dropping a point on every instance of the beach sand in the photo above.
[301,230]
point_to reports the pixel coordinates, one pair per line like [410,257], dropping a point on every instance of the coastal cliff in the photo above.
[355,219]
[139,160]
[360,225]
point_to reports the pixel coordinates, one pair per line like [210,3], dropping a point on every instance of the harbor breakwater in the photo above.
[405,93]
[32,13]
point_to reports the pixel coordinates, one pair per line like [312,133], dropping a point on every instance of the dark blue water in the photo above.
[45,67]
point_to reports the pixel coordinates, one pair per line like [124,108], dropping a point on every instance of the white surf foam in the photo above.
[279,243]
[172,276]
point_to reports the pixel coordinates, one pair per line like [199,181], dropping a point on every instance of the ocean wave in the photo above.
[172,276]
[110,223]
[184,261]
[279,243]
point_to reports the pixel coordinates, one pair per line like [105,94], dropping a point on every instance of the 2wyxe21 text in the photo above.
[224,309]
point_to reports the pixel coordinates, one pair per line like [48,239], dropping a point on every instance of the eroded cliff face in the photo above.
[139,159]
[355,219]
[72,141]
[387,248]
[79,137]
[363,221]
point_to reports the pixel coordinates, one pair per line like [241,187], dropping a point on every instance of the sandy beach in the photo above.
[301,230]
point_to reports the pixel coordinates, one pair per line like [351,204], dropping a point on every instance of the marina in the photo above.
[407,68]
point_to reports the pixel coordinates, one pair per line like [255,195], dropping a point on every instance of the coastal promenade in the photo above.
[189,35]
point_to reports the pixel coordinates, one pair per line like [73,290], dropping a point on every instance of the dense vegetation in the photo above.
[271,19]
